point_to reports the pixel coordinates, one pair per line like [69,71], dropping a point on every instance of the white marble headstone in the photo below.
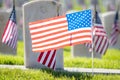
[38,10]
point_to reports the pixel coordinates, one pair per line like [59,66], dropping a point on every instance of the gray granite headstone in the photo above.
[38,10]
[82,51]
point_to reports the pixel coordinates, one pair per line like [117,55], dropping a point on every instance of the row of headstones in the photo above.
[46,9]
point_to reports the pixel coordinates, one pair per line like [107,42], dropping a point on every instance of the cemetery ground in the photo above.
[110,60]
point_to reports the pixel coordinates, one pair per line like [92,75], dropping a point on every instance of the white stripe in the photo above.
[101,34]
[47,22]
[48,27]
[99,28]
[43,57]
[61,44]
[58,39]
[100,25]
[79,40]
[49,57]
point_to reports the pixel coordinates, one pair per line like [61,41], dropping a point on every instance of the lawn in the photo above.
[39,74]
[110,60]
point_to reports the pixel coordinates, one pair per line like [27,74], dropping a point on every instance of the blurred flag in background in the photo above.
[115,30]
[9,36]
[100,39]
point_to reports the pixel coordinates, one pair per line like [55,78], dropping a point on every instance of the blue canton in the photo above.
[82,19]
[13,15]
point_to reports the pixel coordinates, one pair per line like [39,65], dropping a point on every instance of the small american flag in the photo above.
[115,30]
[100,40]
[48,58]
[9,36]
[57,32]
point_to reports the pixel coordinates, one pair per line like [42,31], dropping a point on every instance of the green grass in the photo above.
[110,60]
[14,59]
[32,74]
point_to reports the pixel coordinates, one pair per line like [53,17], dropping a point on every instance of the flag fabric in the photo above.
[57,32]
[48,58]
[115,30]
[9,36]
[100,39]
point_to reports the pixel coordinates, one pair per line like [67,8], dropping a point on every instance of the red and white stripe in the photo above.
[50,34]
[9,36]
[115,34]
[100,40]
[48,58]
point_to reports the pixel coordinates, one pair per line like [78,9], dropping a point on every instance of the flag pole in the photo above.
[118,5]
[92,54]
[13,3]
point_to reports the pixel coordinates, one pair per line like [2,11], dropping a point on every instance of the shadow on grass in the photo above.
[75,75]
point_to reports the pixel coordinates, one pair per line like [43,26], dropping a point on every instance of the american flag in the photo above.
[100,39]
[48,58]
[9,36]
[115,30]
[57,32]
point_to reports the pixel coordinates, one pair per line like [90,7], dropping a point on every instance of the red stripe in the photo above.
[46,57]
[40,56]
[52,58]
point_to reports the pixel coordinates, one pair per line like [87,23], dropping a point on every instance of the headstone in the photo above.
[7,4]
[38,10]
[19,23]
[82,3]
[19,3]
[4,16]
[82,51]
[68,4]
[108,20]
